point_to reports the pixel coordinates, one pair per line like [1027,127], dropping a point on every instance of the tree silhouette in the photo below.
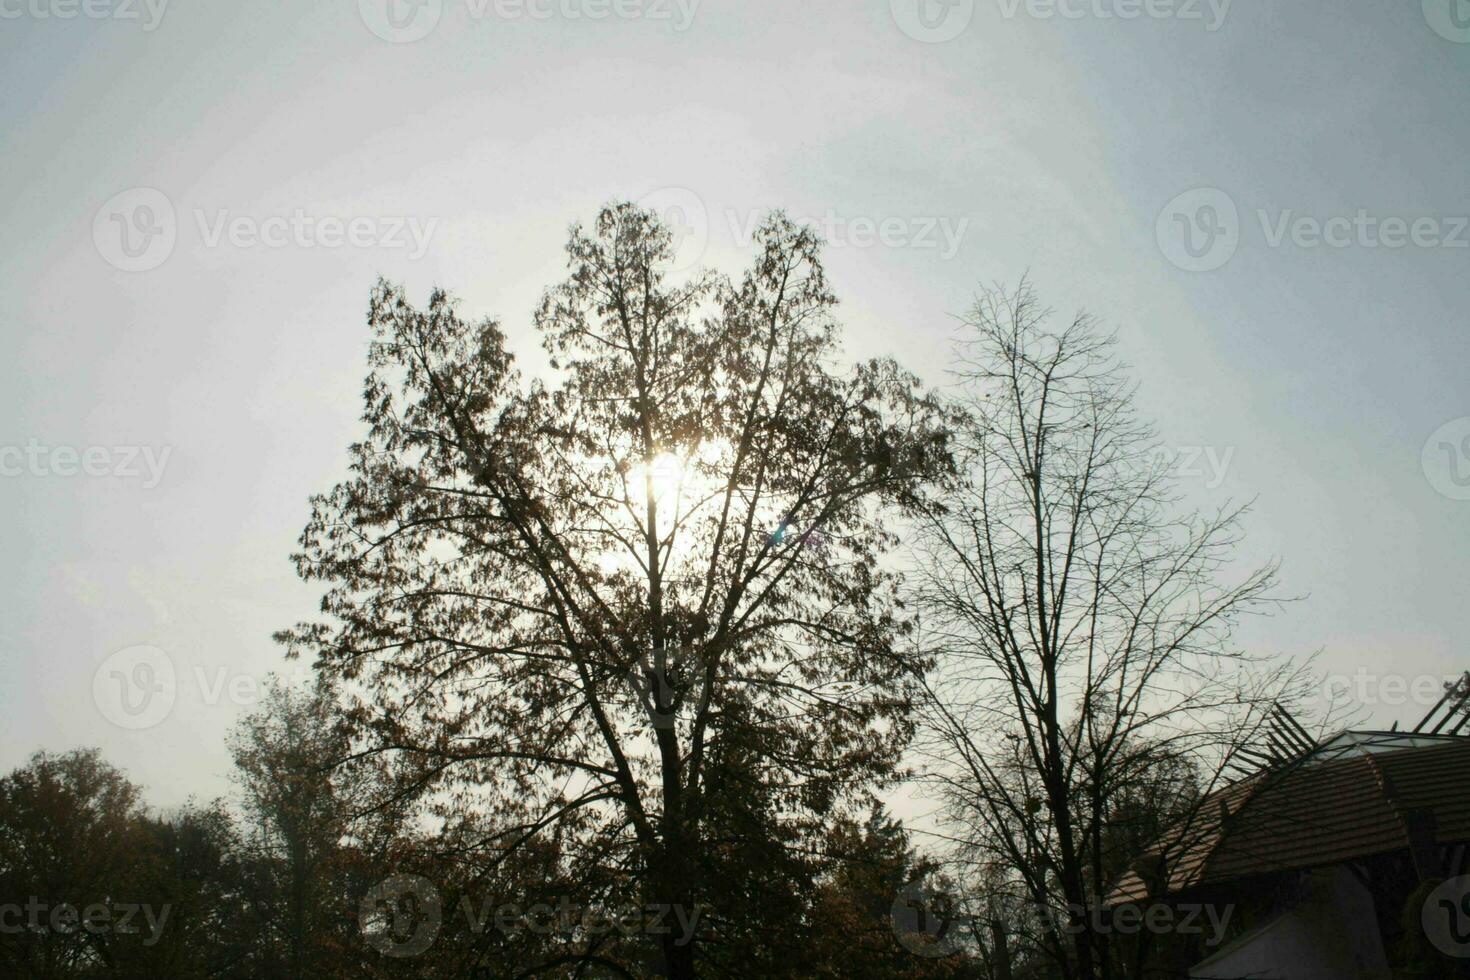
[1084,618]
[566,601]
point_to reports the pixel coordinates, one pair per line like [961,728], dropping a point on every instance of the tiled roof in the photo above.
[1312,814]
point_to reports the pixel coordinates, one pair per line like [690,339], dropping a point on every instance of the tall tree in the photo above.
[92,884]
[1085,617]
[70,839]
[872,872]
[308,810]
[191,866]
[643,594]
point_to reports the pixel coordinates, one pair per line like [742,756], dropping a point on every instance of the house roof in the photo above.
[1356,795]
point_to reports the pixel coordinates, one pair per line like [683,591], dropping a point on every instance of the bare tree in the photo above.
[1082,627]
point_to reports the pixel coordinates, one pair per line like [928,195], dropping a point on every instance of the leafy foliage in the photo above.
[587,605]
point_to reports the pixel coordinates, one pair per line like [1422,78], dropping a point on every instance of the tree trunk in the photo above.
[678,960]
[1001,945]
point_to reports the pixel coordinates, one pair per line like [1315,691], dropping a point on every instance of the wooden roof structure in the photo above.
[1310,805]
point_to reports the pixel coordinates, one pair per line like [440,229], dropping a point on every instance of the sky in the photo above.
[1266,200]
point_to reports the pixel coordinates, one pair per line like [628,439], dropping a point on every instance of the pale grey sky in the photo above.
[198,196]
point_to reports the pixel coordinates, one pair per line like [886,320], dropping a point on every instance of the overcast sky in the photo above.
[1266,199]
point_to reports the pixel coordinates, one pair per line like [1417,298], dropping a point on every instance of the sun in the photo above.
[676,484]
[661,480]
